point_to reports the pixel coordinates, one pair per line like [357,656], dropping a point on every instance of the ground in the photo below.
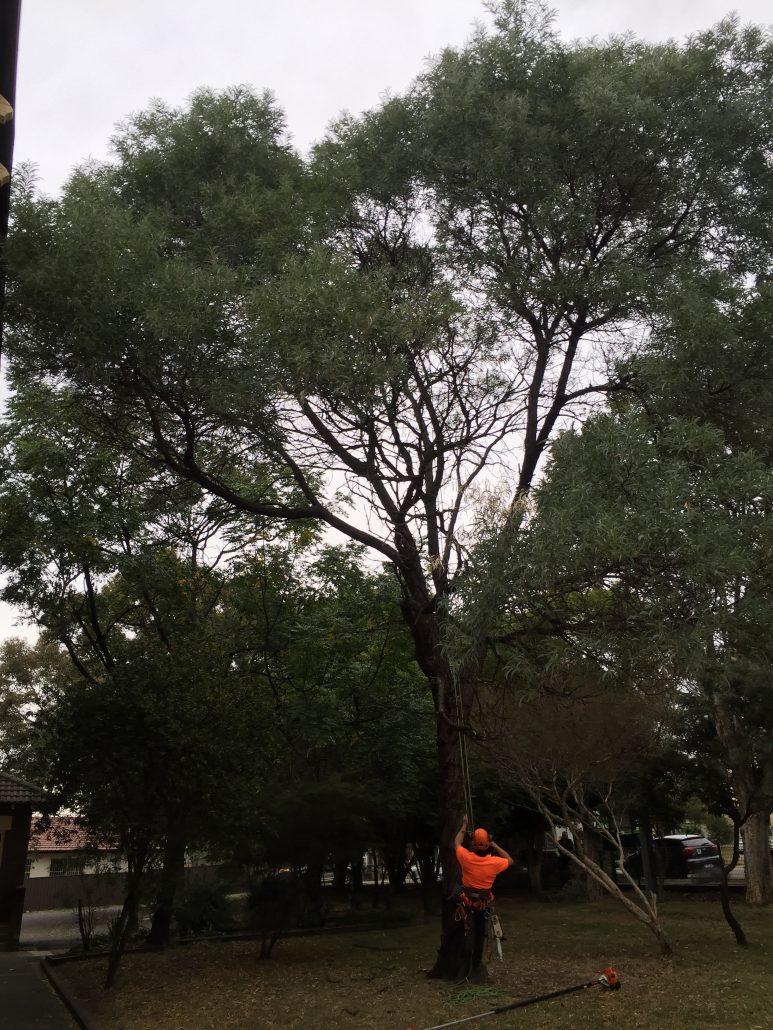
[377,980]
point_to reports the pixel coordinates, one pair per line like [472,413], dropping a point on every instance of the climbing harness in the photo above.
[608,980]
[469,904]
[469,901]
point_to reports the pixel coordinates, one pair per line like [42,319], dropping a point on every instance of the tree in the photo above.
[124,572]
[223,678]
[571,752]
[25,672]
[347,704]
[423,303]
[664,506]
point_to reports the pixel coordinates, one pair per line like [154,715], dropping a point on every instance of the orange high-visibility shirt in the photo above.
[479,871]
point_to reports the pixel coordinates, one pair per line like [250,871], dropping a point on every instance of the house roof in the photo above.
[63,833]
[16,791]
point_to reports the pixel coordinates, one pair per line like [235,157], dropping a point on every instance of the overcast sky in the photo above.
[85,65]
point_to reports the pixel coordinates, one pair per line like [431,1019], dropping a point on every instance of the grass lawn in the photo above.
[375,980]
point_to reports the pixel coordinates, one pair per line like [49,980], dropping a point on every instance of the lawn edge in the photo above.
[80,1014]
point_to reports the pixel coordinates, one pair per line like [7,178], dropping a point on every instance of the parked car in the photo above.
[682,856]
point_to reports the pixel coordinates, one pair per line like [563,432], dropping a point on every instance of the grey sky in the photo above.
[84,65]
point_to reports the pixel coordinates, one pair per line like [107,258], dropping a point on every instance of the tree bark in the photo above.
[424,855]
[756,853]
[534,867]
[593,850]
[653,881]
[171,877]
[128,914]
[724,892]
[425,624]
[340,869]
[749,777]
[451,962]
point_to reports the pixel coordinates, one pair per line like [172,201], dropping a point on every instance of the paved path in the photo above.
[27,999]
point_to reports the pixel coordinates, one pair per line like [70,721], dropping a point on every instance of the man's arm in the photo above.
[502,853]
[462,830]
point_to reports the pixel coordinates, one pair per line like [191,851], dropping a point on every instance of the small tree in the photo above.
[572,753]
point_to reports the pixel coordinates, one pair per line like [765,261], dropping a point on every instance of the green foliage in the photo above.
[202,908]
[365,339]
[239,689]
[660,509]
[26,672]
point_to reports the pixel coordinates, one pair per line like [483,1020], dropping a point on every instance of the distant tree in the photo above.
[122,570]
[26,670]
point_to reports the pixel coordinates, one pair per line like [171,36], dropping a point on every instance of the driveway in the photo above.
[29,1002]
[57,929]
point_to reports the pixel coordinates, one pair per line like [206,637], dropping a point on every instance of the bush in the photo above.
[203,907]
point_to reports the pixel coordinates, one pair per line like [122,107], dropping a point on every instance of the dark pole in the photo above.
[649,871]
[608,979]
[10,14]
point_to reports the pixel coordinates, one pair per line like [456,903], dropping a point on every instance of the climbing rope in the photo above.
[464,759]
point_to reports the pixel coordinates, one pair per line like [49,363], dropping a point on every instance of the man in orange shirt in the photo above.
[482,861]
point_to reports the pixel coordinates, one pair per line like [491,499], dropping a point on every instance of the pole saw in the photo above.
[608,980]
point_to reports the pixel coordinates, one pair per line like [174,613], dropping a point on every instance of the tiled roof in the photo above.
[62,833]
[16,791]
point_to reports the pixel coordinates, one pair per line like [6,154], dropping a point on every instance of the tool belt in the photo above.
[477,901]
[469,901]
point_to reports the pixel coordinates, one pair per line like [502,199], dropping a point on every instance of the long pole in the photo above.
[608,979]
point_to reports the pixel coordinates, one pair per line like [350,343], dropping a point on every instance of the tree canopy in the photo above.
[380,336]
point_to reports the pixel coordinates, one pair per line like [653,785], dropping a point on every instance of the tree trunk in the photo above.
[340,869]
[425,623]
[652,880]
[750,773]
[589,844]
[724,892]
[396,867]
[424,854]
[452,962]
[128,915]
[311,889]
[534,868]
[171,876]
[756,853]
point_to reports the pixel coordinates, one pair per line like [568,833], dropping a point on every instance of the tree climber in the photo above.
[481,862]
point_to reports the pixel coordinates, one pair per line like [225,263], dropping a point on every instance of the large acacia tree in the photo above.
[405,319]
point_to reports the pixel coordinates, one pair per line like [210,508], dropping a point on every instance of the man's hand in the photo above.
[500,851]
[462,830]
